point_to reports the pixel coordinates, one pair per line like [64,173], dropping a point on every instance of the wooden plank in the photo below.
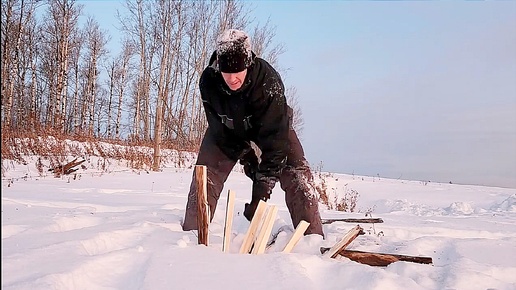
[354,220]
[203,210]
[228,223]
[298,233]
[265,232]
[344,242]
[253,227]
[380,259]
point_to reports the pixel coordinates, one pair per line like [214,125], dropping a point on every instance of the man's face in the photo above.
[234,80]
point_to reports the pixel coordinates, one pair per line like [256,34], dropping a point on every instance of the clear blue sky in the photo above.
[418,90]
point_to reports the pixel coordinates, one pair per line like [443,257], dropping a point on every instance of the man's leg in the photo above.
[301,196]
[218,168]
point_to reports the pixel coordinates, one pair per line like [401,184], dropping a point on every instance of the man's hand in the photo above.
[250,163]
[262,189]
[250,209]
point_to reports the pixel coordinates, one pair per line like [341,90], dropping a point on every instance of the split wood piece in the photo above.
[344,242]
[203,210]
[354,220]
[380,259]
[230,206]
[253,227]
[298,233]
[265,231]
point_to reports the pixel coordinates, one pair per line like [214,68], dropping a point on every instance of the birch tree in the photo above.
[17,43]
[168,16]
[95,46]
[122,81]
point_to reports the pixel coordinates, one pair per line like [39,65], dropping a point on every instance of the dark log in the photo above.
[379,259]
[354,220]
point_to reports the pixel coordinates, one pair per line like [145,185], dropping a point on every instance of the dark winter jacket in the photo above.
[257,112]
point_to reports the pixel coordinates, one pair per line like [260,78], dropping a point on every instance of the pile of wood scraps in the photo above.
[66,168]
[259,231]
[368,258]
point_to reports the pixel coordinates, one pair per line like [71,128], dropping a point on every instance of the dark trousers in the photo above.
[296,181]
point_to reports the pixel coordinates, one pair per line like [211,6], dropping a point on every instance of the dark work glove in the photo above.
[262,189]
[250,209]
[250,163]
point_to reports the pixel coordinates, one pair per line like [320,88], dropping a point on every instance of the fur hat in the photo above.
[233,51]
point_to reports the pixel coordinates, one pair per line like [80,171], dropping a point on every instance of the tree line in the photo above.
[59,76]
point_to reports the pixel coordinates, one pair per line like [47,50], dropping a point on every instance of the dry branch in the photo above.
[354,220]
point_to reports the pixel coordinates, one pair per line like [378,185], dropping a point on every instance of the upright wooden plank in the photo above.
[203,210]
[298,233]
[265,231]
[344,242]
[251,232]
[230,206]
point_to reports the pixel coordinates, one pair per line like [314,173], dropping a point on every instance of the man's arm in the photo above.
[224,139]
[273,127]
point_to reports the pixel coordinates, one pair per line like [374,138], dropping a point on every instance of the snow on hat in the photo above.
[233,51]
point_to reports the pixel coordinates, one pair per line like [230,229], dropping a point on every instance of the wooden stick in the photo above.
[344,242]
[203,214]
[230,206]
[298,233]
[265,232]
[352,220]
[251,232]
[380,259]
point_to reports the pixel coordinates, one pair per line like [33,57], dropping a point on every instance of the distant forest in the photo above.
[59,78]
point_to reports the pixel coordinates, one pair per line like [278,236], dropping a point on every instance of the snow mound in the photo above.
[459,208]
[410,207]
[507,205]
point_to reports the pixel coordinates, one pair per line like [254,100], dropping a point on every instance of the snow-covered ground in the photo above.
[119,228]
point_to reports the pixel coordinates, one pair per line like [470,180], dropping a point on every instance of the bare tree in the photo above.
[32,62]
[168,16]
[59,29]
[297,121]
[16,44]
[151,88]
[122,80]
[74,113]
[65,17]
[232,14]
[137,24]
[262,39]
[111,71]
[95,45]
[200,38]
